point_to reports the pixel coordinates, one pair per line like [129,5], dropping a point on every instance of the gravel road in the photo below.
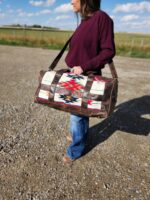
[116,165]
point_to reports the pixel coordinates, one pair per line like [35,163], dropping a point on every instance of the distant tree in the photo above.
[36,26]
[52,28]
[18,25]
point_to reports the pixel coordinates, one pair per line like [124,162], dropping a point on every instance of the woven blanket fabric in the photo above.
[70,89]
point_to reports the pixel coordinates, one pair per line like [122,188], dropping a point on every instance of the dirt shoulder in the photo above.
[116,165]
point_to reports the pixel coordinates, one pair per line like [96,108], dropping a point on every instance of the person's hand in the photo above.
[77,70]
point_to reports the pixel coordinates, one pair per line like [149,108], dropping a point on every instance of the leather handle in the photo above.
[113,70]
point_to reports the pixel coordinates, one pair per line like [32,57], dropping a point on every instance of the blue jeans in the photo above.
[79,126]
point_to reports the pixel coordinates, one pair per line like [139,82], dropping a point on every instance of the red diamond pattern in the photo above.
[71,85]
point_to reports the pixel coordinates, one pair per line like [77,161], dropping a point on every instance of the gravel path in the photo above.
[116,165]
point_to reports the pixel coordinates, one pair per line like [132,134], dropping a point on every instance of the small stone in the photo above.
[146,165]
[107,186]
[1,147]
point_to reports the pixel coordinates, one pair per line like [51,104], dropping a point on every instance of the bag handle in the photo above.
[113,70]
[56,60]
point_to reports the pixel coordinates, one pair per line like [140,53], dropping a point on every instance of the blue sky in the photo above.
[128,16]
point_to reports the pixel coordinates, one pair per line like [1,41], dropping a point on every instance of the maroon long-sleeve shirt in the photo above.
[92,45]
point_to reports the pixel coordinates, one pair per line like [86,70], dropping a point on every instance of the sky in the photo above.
[128,16]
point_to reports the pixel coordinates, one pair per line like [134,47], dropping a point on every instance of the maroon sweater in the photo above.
[92,45]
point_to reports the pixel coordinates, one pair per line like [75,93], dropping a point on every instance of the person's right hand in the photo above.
[77,70]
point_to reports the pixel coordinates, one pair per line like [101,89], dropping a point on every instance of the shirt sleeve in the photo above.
[106,44]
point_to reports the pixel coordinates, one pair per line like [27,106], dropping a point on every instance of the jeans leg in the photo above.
[79,126]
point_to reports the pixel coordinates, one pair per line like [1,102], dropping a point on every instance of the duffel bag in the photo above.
[89,95]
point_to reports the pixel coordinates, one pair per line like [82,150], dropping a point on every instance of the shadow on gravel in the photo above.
[132,117]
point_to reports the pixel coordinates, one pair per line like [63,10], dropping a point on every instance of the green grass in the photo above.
[127,44]
[133,44]
[29,43]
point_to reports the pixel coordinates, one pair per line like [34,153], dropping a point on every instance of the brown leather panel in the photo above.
[87,88]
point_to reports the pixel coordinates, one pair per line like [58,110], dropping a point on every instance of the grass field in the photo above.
[127,44]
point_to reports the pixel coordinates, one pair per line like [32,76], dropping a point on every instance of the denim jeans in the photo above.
[79,126]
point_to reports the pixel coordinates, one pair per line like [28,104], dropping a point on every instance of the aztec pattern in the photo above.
[72,89]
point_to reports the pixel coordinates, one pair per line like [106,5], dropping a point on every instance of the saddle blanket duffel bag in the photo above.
[91,95]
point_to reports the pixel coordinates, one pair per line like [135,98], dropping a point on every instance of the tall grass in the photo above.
[134,45]
[34,38]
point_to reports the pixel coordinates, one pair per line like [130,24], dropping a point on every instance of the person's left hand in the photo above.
[77,70]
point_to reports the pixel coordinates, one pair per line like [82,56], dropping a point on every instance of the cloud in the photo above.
[143,6]
[2,15]
[62,17]
[135,25]
[64,8]
[46,3]
[49,2]
[61,24]
[112,17]
[22,13]
[138,26]
[10,11]
[58,18]
[128,18]
[46,11]
[144,23]
[36,3]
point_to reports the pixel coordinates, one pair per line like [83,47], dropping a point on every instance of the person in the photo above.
[91,47]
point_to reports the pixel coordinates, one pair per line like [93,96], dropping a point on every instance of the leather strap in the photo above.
[113,70]
[56,60]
